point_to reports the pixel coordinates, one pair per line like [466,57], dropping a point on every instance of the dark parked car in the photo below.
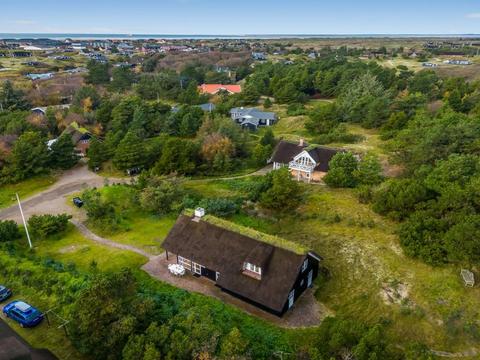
[77,202]
[5,293]
[134,171]
[23,313]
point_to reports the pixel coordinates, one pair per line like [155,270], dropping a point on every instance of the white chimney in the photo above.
[301,142]
[199,212]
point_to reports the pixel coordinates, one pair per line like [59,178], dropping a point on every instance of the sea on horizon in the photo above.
[64,36]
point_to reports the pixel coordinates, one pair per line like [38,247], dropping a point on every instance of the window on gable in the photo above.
[305,265]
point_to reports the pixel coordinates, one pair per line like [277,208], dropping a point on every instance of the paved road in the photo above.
[53,200]
[14,346]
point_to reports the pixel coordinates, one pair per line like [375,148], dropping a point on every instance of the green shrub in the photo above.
[8,230]
[342,169]
[220,206]
[42,226]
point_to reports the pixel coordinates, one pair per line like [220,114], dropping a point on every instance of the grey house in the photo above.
[252,118]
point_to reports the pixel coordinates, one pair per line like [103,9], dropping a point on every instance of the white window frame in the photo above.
[197,268]
[186,263]
[310,278]
[252,268]
[291,298]
[305,265]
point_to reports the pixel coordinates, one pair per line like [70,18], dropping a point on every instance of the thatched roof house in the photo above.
[264,270]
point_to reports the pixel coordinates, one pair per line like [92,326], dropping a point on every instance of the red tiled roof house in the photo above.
[213,89]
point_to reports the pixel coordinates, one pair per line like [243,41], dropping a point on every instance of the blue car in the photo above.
[24,314]
[4,293]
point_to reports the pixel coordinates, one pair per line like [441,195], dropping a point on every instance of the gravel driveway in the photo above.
[54,199]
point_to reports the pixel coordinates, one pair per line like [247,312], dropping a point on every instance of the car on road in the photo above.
[5,293]
[77,202]
[23,313]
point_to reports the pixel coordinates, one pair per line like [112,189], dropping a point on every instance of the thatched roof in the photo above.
[285,151]
[225,251]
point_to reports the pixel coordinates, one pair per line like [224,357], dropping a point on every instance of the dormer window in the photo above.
[252,270]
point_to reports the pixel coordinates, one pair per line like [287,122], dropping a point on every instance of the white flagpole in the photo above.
[24,222]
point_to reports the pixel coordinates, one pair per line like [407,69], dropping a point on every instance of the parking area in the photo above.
[12,346]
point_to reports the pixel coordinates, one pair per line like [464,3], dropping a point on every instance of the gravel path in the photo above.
[94,237]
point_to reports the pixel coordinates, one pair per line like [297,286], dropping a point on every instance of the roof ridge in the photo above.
[252,233]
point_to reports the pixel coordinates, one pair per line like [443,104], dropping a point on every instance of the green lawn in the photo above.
[211,188]
[141,230]
[24,189]
[371,142]
[289,127]
[136,227]
[74,247]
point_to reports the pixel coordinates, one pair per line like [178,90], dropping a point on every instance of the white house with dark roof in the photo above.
[306,163]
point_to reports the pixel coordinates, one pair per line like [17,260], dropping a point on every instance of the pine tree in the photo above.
[268,138]
[63,155]
[267,104]
[12,99]
[97,153]
[130,152]
[29,156]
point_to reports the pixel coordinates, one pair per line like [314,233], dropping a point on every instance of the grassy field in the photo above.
[73,247]
[141,230]
[24,189]
[292,127]
[470,72]
[136,227]
[370,278]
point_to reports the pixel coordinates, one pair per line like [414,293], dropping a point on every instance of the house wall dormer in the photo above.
[252,270]
[304,158]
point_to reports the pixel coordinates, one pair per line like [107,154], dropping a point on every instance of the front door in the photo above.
[310,278]
[291,298]
[212,275]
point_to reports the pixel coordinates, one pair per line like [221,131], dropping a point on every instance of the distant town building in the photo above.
[44,76]
[458,62]
[260,56]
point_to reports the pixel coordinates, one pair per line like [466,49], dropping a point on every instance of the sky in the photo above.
[240,17]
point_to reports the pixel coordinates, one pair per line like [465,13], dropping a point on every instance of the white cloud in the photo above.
[473,15]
